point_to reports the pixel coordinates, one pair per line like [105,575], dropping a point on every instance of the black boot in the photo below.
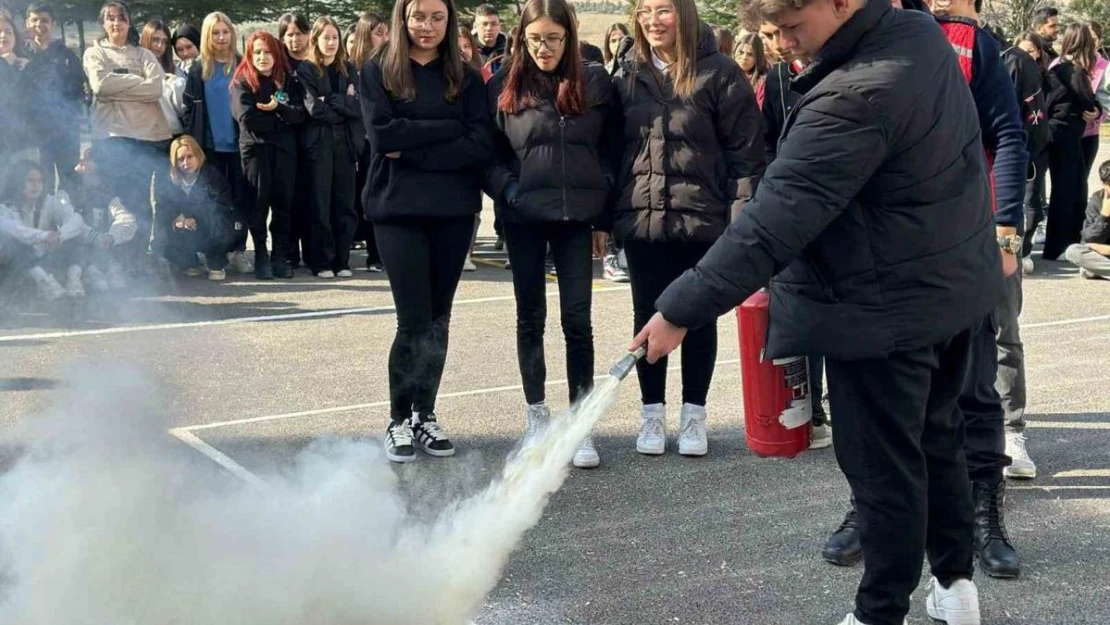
[263,270]
[997,557]
[843,548]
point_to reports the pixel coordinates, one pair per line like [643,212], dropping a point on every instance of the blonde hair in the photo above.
[184,141]
[684,71]
[207,45]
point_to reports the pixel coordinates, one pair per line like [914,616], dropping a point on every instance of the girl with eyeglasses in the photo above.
[431,139]
[692,151]
[553,176]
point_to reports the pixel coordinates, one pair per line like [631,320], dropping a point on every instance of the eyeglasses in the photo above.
[663,15]
[551,42]
[434,21]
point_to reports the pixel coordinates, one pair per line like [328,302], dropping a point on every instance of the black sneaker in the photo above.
[430,438]
[398,442]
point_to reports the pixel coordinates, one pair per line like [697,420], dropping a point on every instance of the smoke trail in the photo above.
[103,521]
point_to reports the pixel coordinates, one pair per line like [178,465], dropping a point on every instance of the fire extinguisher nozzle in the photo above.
[625,365]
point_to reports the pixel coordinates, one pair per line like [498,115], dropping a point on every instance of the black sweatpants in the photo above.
[1089,146]
[215,241]
[301,218]
[981,406]
[1068,204]
[365,229]
[128,166]
[61,150]
[571,247]
[333,202]
[652,267]
[270,170]
[423,260]
[899,441]
[230,165]
[1035,200]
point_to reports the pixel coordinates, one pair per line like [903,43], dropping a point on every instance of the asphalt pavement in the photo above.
[257,370]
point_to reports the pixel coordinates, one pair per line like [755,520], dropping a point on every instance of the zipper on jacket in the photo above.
[563,148]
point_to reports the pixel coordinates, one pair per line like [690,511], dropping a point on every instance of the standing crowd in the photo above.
[892,216]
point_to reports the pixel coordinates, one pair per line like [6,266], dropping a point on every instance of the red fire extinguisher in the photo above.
[777,409]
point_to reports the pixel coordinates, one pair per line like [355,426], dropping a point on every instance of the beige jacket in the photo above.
[127,82]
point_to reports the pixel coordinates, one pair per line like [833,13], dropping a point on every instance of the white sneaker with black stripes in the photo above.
[398,442]
[430,437]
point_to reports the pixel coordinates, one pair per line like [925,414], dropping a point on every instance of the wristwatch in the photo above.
[1010,244]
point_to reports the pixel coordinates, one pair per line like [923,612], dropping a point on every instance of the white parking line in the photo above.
[315,314]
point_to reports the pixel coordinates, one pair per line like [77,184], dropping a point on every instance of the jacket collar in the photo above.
[840,47]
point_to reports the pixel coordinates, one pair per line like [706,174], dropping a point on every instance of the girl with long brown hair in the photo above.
[693,148]
[552,175]
[334,137]
[269,107]
[369,33]
[428,123]
[753,62]
[293,32]
[155,37]
[1071,106]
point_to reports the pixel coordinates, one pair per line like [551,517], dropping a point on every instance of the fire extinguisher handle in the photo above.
[624,366]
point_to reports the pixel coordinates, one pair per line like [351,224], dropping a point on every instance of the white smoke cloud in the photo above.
[105,521]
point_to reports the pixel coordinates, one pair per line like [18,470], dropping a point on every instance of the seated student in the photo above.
[195,212]
[108,225]
[43,229]
[1092,256]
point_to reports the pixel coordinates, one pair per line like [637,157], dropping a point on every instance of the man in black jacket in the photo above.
[57,94]
[876,225]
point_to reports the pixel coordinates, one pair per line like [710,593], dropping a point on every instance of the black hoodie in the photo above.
[685,167]
[55,88]
[444,146]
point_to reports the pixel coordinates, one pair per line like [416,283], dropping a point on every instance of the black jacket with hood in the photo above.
[194,118]
[554,167]
[444,146]
[279,126]
[875,218]
[332,111]
[685,166]
[778,100]
[55,89]
[1029,87]
[209,201]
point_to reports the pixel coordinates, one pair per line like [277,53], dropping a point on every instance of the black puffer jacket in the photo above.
[876,215]
[552,167]
[685,165]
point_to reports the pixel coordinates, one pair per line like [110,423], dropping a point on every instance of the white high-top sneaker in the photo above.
[1021,465]
[652,440]
[95,279]
[692,438]
[74,288]
[537,418]
[957,605]
[47,286]
[586,457]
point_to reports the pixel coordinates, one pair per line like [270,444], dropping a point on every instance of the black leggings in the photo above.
[571,245]
[271,176]
[652,267]
[333,203]
[423,260]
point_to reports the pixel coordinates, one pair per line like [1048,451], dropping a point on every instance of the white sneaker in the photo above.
[1039,234]
[586,457]
[344,273]
[692,439]
[48,287]
[74,288]
[612,270]
[116,279]
[822,437]
[537,417]
[957,605]
[240,263]
[1022,465]
[1027,265]
[469,265]
[217,275]
[194,272]
[326,274]
[95,280]
[652,440]
[851,620]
